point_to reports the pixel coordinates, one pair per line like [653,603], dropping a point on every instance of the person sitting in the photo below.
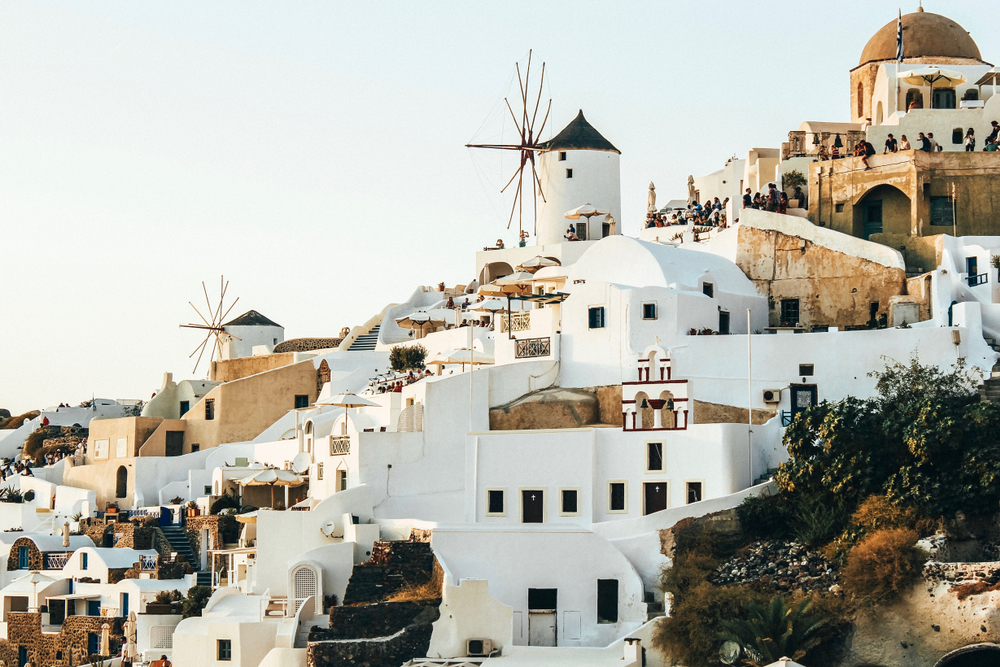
[866,150]
[925,143]
[571,234]
[823,155]
[451,303]
[800,196]
[783,203]
[991,146]
[835,153]
[890,145]
[904,143]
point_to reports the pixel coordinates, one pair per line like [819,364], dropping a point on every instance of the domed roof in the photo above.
[924,34]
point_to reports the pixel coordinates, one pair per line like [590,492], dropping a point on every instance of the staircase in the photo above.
[766,476]
[365,342]
[179,543]
[992,343]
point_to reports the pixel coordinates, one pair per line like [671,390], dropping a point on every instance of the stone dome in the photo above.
[924,35]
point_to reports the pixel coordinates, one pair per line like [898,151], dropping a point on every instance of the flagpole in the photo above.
[899,56]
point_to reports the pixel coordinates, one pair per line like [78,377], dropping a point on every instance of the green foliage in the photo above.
[816,523]
[196,600]
[228,500]
[766,633]
[762,517]
[792,178]
[925,441]
[9,495]
[883,565]
[404,358]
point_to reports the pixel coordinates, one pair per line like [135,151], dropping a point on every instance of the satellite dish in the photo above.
[300,463]
[729,653]
[328,529]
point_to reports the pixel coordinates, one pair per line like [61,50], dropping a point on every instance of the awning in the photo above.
[551,297]
[75,596]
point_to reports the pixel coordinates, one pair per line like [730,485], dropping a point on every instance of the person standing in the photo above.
[890,145]
[747,199]
[970,140]
[996,131]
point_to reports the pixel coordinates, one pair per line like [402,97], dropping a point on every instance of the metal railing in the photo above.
[340,445]
[148,563]
[518,322]
[56,561]
[978,279]
[786,418]
[528,348]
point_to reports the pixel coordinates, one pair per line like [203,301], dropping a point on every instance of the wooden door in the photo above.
[174,443]
[532,506]
[655,496]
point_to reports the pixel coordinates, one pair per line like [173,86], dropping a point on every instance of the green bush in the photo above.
[197,598]
[815,524]
[404,358]
[762,517]
[883,565]
[767,633]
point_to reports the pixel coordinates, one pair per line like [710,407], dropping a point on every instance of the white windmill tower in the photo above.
[578,166]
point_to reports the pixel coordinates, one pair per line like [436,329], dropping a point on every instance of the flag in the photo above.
[899,38]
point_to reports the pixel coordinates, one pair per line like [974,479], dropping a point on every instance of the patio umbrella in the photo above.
[490,305]
[105,650]
[928,76]
[131,649]
[347,400]
[462,355]
[272,477]
[419,320]
[535,263]
[516,284]
[586,211]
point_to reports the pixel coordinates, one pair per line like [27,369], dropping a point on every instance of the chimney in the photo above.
[633,652]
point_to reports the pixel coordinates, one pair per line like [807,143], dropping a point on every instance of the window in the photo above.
[607,600]
[569,173]
[708,289]
[654,457]
[562,156]
[58,655]
[341,480]
[569,502]
[840,208]
[616,498]
[861,100]
[605,229]
[195,447]
[649,311]
[805,369]
[83,561]
[693,492]
[941,211]
[173,443]
[225,649]
[93,607]
[23,558]
[496,504]
[209,408]
[185,406]
[957,136]
[581,231]
[789,312]
[597,317]
[301,401]
[208,490]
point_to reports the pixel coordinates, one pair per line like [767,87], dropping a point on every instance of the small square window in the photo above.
[693,492]
[319,472]
[708,289]
[495,502]
[654,457]
[195,447]
[225,651]
[209,409]
[617,497]
[301,401]
[208,489]
[597,317]
[789,312]
[649,311]
[805,369]
[840,208]
[569,173]
[562,156]
[569,502]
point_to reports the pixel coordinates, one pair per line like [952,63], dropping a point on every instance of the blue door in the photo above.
[123,612]
[166,516]
[93,644]
[22,558]
[93,607]
[22,656]
[873,218]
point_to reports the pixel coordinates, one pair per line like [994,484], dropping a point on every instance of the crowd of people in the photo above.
[710,214]
[12,468]
[396,384]
[774,200]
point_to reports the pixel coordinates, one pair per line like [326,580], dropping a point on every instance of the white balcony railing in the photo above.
[517,322]
[340,445]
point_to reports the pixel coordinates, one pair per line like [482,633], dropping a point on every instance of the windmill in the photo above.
[213,324]
[528,145]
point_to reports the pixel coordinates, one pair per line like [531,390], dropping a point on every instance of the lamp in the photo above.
[838,143]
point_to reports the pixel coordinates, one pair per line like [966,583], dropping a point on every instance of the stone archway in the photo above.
[666,413]
[973,655]
[882,209]
[645,418]
[494,270]
[121,482]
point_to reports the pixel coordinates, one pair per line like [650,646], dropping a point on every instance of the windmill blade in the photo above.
[200,346]
[524,92]
[544,120]
[510,181]
[222,298]
[199,314]
[514,118]
[534,115]
[197,363]
[517,195]
[227,312]
[209,303]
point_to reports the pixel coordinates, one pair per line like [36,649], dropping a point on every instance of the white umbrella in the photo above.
[272,477]
[651,198]
[131,649]
[489,305]
[419,320]
[462,356]
[585,211]
[535,263]
[928,76]
[105,649]
[347,400]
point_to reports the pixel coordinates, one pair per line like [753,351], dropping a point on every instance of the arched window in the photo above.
[644,409]
[667,411]
[121,487]
[309,436]
[914,99]
[861,100]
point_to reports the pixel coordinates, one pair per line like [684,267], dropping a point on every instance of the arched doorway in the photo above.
[644,409]
[494,270]
[305,584]
[121,484]
[308,437]
[974,655]
[883,208]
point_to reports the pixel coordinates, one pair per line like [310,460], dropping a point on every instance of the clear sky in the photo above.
[313,152]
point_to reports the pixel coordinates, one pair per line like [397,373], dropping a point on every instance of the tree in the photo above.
[197,598]
[404,358]
[925,441]
[769,633]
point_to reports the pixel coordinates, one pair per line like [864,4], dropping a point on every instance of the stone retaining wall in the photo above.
[962,573]
[411,642]
[68,647]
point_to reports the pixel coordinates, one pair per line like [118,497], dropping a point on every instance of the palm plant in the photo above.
[769,633]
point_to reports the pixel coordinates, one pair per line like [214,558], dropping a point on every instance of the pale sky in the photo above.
[313,152]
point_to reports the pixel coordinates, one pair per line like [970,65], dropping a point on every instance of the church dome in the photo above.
[924,35]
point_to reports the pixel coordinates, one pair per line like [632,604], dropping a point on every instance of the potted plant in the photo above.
[440,287]
[789,181]
[995,261]
[112,508]
[192,508]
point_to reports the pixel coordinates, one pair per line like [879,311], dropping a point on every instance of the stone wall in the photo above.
[716,413]
[411,642]
[222,529]
[36,561]
[393,565]
[376,620]
[67,647]
[962,573]
[134,534]
[553,408]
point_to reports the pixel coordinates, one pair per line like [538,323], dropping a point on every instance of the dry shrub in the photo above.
[964,591]
[17,421]
[428,590]
[878,513]
[883,565]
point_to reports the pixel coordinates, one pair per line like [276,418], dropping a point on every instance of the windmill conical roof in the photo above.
[252,318]
[579,135]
